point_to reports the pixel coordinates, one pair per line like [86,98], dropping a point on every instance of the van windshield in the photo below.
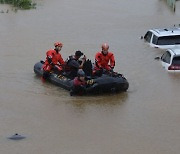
[168,40]
[176,60]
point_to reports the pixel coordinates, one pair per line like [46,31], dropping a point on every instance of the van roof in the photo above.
[176,51]
[166,31]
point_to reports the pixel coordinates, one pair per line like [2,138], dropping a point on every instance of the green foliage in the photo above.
[22,4]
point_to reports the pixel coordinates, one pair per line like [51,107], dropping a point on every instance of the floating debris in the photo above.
[16,137]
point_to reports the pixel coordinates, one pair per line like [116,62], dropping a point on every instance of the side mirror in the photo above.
[157,58]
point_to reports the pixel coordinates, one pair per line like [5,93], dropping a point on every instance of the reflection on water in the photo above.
[108,101]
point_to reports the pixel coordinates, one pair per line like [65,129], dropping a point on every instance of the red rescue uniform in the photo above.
[104,61]
[56,60]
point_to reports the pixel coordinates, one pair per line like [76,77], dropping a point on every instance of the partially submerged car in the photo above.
[163,38]
[170,60]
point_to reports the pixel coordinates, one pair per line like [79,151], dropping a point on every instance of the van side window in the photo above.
[166,57]
[147,36]
[169,40]
[155,39]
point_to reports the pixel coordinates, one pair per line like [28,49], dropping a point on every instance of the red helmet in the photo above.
[105,46]
[58,44]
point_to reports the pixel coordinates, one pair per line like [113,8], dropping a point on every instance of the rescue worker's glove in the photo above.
[112,67]
[111,70]
[90,82]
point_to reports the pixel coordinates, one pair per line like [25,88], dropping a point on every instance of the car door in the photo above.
[165,60]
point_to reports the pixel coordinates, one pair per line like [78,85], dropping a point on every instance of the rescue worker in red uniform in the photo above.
[104,60]
[54,60]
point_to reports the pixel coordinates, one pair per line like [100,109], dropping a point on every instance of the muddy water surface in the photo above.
[143,120]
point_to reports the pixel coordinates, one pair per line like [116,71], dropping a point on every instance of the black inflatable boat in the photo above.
[106,83]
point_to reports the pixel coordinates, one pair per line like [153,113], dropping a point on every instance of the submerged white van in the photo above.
[163,38]
[170,60]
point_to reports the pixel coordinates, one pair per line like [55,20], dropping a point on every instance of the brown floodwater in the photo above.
[144,120]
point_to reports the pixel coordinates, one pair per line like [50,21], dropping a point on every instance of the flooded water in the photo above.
[145,120]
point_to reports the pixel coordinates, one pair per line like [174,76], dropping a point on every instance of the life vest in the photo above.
[102,61]
[56,59]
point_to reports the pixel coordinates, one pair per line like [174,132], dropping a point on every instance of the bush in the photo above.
[23,4]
